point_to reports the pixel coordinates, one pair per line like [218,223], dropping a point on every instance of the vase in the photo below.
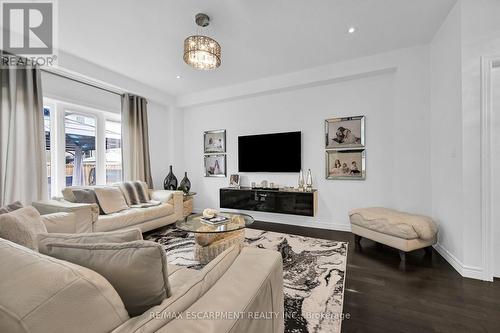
[309,180]
[170,182]
[185,185]
[301,180]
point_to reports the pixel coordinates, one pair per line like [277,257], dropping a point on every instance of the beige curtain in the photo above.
[136,162]
[23,168]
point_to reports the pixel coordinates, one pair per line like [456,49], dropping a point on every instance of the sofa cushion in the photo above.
[87,195]
[111,199]
[22,226]
[120,236]
[137,270]
[122,219]
[253,284]
[132,216]
[46,295]
[68,195]
[207,276]
[188,286]
[156,212]
[162,195]
[135,192]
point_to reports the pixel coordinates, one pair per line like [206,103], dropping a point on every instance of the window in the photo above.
[46,125]
[83,146]
[80,157]
[113,151]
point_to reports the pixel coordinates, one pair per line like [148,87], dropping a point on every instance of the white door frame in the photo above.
[487,65]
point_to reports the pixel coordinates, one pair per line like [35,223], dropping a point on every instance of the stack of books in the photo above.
[216,220]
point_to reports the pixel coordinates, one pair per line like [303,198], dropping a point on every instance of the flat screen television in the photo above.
[277,152]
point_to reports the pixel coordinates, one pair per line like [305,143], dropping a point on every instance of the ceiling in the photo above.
[144,39]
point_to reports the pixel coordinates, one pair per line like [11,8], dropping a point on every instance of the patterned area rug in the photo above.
[313,274]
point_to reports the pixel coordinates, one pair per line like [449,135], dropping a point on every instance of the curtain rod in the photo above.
[75,79]
[81,81]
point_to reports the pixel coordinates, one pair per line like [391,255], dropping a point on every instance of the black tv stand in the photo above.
[269,200]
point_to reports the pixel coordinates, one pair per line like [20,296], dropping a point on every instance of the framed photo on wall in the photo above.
[346,164]
[214,142]
[347,132]
[215,165]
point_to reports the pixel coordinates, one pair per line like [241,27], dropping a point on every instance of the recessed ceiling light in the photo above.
[178,77]
[351,30]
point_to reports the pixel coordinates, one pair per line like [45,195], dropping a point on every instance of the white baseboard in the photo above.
[467,271]
[464,270]
[316,225]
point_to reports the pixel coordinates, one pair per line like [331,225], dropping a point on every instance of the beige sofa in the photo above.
[88,219]
[41,294]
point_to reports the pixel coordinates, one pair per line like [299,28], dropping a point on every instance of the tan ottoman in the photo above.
[403,231]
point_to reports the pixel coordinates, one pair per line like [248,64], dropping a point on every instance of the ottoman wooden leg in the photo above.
[402,255]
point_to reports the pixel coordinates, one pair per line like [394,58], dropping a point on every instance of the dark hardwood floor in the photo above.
[425,296]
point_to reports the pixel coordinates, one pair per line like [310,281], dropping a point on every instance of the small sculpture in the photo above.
[209,213]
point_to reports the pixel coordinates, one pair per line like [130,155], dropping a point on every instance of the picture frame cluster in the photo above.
[345,153]
[214,153]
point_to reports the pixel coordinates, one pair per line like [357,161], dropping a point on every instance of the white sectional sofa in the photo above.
[117,282]
[42,294]
[88,218]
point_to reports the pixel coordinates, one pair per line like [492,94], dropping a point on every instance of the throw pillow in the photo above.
[137,270]
[87,196]
[22,227]
[12,207]
[135,192]
[110,199]
[119,236]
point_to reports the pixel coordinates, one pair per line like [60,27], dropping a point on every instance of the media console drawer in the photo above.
[268,200]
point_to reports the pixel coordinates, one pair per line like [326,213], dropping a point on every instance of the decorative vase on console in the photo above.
[309,181]
[170,182]
[301,181]
[185,185]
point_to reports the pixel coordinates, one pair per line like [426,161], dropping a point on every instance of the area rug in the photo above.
[313,274]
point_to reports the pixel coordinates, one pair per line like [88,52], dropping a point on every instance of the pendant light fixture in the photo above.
[202,52]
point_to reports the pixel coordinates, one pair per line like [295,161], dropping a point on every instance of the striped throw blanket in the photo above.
[135,192]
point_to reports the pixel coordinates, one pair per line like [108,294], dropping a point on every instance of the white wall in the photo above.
[446,133]
[396,106]
[65,90]
[159,113]
[471,31]
[480,37]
